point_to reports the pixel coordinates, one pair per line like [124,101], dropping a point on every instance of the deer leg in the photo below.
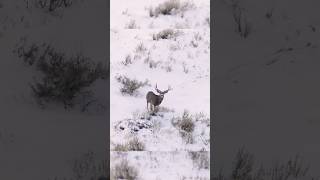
[147,106]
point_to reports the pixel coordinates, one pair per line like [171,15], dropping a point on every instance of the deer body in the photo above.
[155,100]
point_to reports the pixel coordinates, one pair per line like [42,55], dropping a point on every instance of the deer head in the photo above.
[162,93]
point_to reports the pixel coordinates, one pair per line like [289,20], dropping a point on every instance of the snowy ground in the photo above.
[266,94]
[45,143]
[188,76]
[181,61]
[173,165]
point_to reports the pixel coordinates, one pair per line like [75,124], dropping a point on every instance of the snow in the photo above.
[181,62]
[158,165]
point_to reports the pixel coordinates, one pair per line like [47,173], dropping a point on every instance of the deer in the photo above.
[155,100]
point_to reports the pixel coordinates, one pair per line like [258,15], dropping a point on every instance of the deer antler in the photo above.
[169,89]
[160,92]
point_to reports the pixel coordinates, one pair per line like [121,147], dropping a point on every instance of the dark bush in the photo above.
[244,169]
[127,60]
[133,145]
[242,166]
[124,171]
[165,34]
[186,122]
[52,5]
[243,26]
[62,78]
[170,7]
[130,86]
[165,8]
[200,159]
[185,125]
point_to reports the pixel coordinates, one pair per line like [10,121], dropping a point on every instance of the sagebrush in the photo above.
[245,168]
[88,166]
[132,25]
[130,86]
[53,5]
[165,34]
[243,26]
[62,78]
[200,159]
[123,170]
[133,145]
[170,7]
[185,125]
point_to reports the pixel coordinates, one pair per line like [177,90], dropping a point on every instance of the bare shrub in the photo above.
[140,48]
[28,54]
[186,122]
[168,68]
[127,61]
[136,56]
[207,20]
[63,78]
[165,8]
[185,126]
[187,137]
[165,34]
[202,118]
[133,145]
[150,62]
[148,57]
[245,169]
[200,159]
[242,165]
[197,36]
[186,6]
[87,166]
[132,25]
[244,28]
[293,168]
[153,64]
[269,13]
[120,147]
[130,86]
[151,12]
[123,170]
[193,43]
[185,69]
[53,5]
[170,7]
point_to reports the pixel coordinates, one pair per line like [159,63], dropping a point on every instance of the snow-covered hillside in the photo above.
[152,46]
[49,143]
[175,62]
[158,165]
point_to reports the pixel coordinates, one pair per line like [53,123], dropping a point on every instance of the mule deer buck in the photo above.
[155,100]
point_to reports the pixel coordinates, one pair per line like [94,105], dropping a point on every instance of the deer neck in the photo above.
[160,98]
